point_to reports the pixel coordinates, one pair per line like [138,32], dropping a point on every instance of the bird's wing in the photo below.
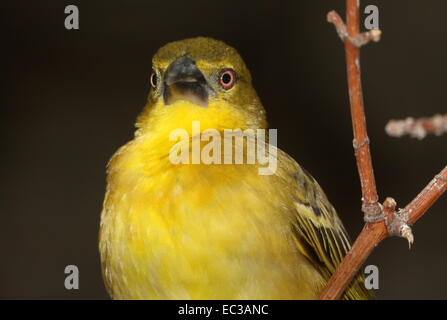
[318,232]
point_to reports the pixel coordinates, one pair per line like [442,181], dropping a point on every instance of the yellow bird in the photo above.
[209,230]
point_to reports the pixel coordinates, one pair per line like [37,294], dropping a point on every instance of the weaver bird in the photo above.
[212,231]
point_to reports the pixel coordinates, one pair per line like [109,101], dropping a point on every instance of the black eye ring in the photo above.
[227,78]
[154,79]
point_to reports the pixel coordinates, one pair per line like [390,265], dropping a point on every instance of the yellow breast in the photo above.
[197,231]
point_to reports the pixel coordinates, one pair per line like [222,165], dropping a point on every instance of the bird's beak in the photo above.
[184,81]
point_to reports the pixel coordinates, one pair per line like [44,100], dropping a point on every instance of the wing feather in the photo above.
[319,233]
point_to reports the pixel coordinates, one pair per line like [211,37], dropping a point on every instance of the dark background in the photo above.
[69,99]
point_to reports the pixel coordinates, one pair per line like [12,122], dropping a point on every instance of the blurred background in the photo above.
[69,99]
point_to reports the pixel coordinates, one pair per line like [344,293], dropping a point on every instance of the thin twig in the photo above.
[381,221]
[417,128]
[370,205]
[359,39]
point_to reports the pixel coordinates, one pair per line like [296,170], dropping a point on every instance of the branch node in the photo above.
[358,145]
[372,211]
[363,38]
[397,222]
[358,40]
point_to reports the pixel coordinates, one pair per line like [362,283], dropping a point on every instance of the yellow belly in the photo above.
[212,231]
[201,232]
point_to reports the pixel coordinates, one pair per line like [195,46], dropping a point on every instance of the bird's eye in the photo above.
[227,78]
[154,80]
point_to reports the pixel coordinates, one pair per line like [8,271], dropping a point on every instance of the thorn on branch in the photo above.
[360,39]
[417,128]
[396,222]
[406,232]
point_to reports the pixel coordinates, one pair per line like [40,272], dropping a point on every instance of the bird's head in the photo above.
[201,79]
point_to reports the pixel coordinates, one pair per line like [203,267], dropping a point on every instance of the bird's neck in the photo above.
[161,120]
[161,127]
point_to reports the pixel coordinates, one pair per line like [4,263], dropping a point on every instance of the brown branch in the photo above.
[370,205]
[373,233]
[381,221]
[417,128]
